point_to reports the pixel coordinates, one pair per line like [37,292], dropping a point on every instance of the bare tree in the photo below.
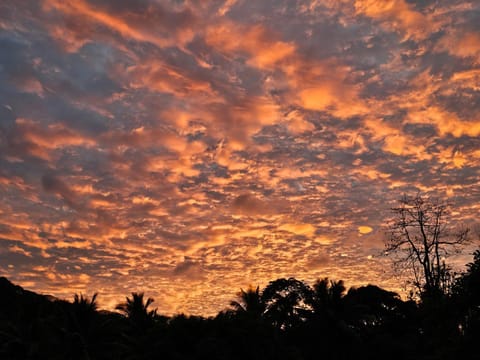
[420,238]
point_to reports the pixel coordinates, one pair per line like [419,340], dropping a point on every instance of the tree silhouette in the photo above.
[135,307]
[139,336]
[467,299]
[371,306]
[82,326]
[327,295]
[85,305]
[382,322]
[288,319]
[325,326]
[287,302]
[84,312]
[420,238]
[467,285]
[249,302]
[136,310]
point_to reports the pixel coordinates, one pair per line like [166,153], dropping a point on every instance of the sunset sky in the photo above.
[188,149]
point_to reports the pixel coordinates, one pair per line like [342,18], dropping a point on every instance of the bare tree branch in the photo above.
[420,237]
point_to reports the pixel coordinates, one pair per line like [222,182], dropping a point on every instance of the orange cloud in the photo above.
[299,228]
[333,96]
[264,50]
[445,121]
[470,78]
[52,136]
[398,15]
[364,229]
[32,138]
[462,44]
[316,85]
[132,25]
[162,77]
[323,86]
[395,141]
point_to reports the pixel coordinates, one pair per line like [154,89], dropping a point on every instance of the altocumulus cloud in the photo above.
[188,149]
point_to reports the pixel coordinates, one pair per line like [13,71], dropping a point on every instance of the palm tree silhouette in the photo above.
[82,333]
[138,335]
[249,302]
[136,310]
[327,295]
[84,309]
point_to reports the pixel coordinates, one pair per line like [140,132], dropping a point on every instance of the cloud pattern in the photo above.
[190,148]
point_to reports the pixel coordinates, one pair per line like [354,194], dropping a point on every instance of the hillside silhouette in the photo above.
[288,319]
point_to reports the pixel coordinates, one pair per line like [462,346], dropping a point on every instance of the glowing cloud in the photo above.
[187,149]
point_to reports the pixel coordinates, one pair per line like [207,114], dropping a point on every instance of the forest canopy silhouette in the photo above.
[287,319]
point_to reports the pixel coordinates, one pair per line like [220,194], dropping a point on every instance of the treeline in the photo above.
[288,319]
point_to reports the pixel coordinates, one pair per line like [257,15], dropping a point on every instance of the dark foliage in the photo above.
[286,320]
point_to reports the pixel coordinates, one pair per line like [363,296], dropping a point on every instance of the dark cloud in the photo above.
[17,70]
[249,204]
[189,269]
[7,123]
[55,185]
[318,262]
[146,13]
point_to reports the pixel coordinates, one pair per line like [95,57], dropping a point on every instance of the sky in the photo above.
[187,149]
